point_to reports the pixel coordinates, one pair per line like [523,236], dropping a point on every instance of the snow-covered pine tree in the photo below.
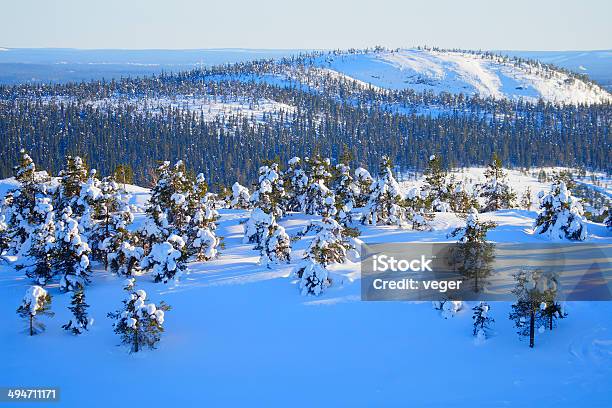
[473,255]
[241,198]
[276,247]
[80,320]
[167,259]
[257,227]
[415,206]
[296,183]
[531,290]
[482,320]
[125,259]
[319,176]
[363,182]
[461,198]
[560,215]
[385,204]
[5,238]
[139,324]
[201,239]
[38,259]
[608,220]
[89,206]
[72,177]
[344,190]
[550,311]
[270,192]
[526,199]
[495,190]
[71,257]
[19,203]
[436,186]
[36,302]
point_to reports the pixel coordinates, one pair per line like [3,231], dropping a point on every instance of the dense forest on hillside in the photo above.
[113,123]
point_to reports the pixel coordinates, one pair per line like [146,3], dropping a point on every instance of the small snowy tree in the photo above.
[79,321]
[448,308]
[482,320]
[240,197]
[202,241]
[608,220]
[71,256]
[270,192]
[72,177]
[345,191]
[436,186]
[257,227]
[385,204]
[296,183]
[415,210]
[319,175]
[139,324]
[496,190]
[38,260]
[5,238]
[125,259]
[167,259]
[363,182]
[314,278]
[36,302]
[526,199]
[276,247]
[560,215]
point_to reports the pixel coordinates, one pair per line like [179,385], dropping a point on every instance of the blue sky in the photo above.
[178,24]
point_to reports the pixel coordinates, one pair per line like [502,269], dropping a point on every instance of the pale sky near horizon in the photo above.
[321,24]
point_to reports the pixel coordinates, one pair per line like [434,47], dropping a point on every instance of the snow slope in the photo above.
[241,335]
[459,72]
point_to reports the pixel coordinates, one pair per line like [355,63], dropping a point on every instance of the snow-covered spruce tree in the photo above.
[38,259]
[36,302]
[257,227]
[72,177]
[276,247]
[436,186]
[201,239]
[526,199]
[88,204]
[80,320]
[482,320]
[5,238]
[550,311]
[241,198]
[608,220]
[125,259]
[385,204]
[532,290]
[319,176]
[448,308]
[363,182]
[19,203]
[560,215]
[344,190]
[461,198]
[296,183]
[473,254]
[139,324]
[270,192]
[415,203]
[167,259]
[495,190]
[71,256]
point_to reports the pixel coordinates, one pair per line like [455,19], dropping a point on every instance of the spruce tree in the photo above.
[202,241]
[257,227]
[526,199]
[344,190]
[240,197]
[38,260]
[319,175]
[125,259]
[496,190]
[276,247]
[72,177]
[296,183]
[270,192]
[436,186]
[482,320]
[560,215]
[385,203]
[80,320]
[139,324]
[36,302]
[363,182]
[167,260]
[71,257]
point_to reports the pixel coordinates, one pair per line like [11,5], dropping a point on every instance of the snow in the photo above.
[240,333]
[462,72]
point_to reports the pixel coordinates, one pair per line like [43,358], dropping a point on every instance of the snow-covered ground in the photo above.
[240,334]
[459,72]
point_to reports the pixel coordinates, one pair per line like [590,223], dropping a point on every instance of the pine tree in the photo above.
[202,241]
[496,190]
[257,227]
[138,324]
[167,259]
[415,203]
[482,320]
[550,311]
[526,199]
[36,302]
[38,260]
[363,181]
[532,290]
[296,183]
[72,177]
[385,204]
[319,175]
[5,238]
[344,190]
[125,259]
[270,192]
[20,202]
[608,220]
[435,185]
[276,247]
[240,197]
[461,200]
[560,215]
[79,321]
[71,256]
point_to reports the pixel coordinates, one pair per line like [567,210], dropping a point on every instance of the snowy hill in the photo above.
[464,72]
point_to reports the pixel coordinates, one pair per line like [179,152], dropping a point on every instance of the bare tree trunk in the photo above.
[531,327]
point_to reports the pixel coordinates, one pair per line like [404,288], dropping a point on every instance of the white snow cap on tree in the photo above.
[561,215]
[315,278]
[276,247]
[34,299]
[166,259]
[256,227]
[240,196]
